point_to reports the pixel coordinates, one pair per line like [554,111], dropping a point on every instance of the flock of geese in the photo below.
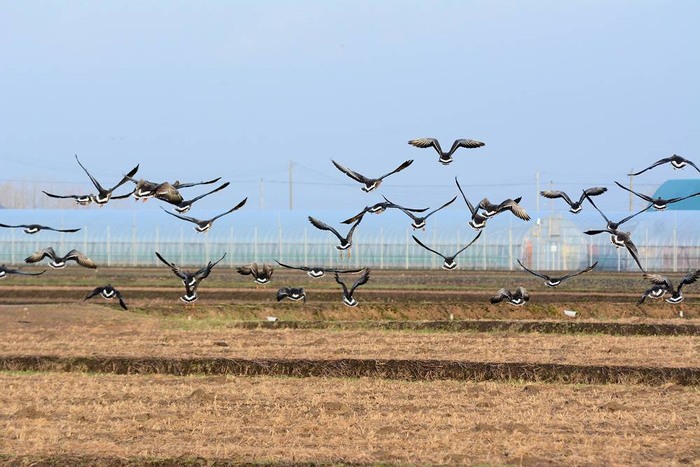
[262,274]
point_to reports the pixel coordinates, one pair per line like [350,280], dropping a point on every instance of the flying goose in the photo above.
[108,293]
[205,225]
[574,206]
[4,271]
[191,279]
[345,242]
[370,183]
[477,221]
[511,205]
[82,200]
[658,203]
[170,192]
[292,293]
[665,283]
[552,281]
[420,221]
[676,161]
[379,208]
[185,206]
[103,195]
[59,262]
[261,276]
[144,189]
[318,272]
[620,239]
[518,298]
[445,157]
[615,225]
[348,299]
[34,228]
[449,262]
[655,291]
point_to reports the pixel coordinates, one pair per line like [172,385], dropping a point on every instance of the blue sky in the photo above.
[580,91]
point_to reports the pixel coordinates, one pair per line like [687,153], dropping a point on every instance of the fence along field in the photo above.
[120,237]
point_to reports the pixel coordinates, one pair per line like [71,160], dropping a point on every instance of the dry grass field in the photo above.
[64,413]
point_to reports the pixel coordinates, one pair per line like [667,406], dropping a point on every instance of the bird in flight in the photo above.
[34,228]
[191,279]
[517,298]
[379,208]
[658,203]
[620,239]
[59,262]
[261,275]
[445,157]
[477,221]
[292,293]
[574,206]
[449,262]
[511,205]
[318,272]
[348,299]
[345,242]
[676,161]
[553,281]
[205,225]
[420,221]
[4,271]
[108,293]
[103,195]
[369,183]
[663,283]
[615,225]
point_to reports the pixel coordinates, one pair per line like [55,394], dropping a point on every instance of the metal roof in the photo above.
[679,188]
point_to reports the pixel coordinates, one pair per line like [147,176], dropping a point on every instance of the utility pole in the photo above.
[631,197]
[291,192]
[261,199]
[537,190]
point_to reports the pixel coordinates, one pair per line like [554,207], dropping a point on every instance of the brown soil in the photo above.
[96,330]
[253,419]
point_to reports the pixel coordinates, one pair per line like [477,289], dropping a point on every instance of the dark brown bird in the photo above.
[59,262]
[261,275]
[511,205]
